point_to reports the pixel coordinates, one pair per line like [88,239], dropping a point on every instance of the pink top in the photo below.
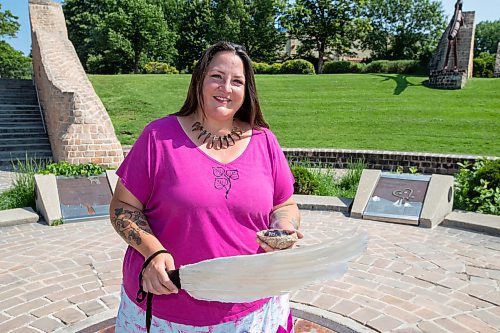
[201,209]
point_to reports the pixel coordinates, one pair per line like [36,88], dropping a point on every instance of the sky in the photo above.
[486,10]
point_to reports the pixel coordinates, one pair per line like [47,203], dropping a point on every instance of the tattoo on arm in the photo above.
[284,216]
[130,225]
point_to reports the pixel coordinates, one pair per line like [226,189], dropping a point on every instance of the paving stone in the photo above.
[487,317]
[345,307]
[65,293]
[27,307]
[40,292]
[51,308]
[25,329]
[10,302]
[111,301]
[70,316]
[47,324]
[385,323]
[305,296]
[364,315]
[430,327]
[452,326]
[474,324]
[91,308]
[15,323]
[86,296]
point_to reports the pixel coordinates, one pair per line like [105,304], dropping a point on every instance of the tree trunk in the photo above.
[321,52]
[137,57]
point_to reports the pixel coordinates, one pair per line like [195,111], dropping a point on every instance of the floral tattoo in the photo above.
[283,216]
[130,225]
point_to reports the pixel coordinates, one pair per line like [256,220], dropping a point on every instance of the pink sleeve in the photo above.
[137,170]
[282,175]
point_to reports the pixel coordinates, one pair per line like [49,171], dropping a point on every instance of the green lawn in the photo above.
[352,111]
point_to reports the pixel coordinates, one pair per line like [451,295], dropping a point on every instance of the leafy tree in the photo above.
[195,16]
[404,29]
[229,18]
[83,18]
[487,37]
[8,23]
[118,35]
[325,26]
[260,36]
[13,64]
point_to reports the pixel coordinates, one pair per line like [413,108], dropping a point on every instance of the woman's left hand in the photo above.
[266,247]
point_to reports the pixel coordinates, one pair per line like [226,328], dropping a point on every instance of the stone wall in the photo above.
[80,130]
[497,62]
[465,50]
[426,163]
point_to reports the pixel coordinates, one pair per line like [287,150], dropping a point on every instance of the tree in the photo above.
[487,37]
[13,64]
[195,16]
[404,29]
[261,37]
[83,17]
[8,23]
[119,35]
[325,26]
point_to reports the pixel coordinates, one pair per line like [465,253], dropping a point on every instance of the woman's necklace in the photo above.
[215,141]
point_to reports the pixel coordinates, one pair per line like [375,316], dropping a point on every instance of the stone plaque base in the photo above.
[421,200]
[447,79]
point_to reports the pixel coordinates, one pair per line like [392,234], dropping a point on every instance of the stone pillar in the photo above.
[450,79]
[79,128]
[497,62]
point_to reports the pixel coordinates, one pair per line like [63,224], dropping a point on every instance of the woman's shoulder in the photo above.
[161,124]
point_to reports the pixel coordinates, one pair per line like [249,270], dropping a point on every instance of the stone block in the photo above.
[17,216]
[47,198]
[367,183]
[438,201]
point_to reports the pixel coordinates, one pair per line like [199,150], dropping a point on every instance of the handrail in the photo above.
[38,100]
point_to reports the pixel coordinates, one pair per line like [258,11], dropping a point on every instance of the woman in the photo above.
[199,184]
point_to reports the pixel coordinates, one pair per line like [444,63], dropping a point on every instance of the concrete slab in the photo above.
[438,201]
[367,183]
[17,216]
[112,179]
[315,202]
[47,198]
[489,224]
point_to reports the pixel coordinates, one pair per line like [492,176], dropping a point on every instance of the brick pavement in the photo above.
[409,280]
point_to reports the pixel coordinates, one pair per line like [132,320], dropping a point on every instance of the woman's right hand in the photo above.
[155,278]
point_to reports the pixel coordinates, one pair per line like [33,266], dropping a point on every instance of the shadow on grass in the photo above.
[401,82]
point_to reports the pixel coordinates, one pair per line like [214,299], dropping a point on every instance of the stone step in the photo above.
[22,136]
[28,109]
[18,106]
[8,158]
[18,101]
[38,128]
[25,147]
[14,121]
[24,115]
[25,140]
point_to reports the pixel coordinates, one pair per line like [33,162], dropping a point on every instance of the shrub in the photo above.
[159,68]
[73,170]
[334,67]
[484,65]
[305,182]
[477,187]
[394,67]
[265,68]
[299,66]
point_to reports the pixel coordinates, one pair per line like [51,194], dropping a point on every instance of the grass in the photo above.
[22,193]
[350,111]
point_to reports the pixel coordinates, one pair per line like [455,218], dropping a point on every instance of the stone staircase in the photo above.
[22,132]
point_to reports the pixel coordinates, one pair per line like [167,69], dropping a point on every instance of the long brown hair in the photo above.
[250,109]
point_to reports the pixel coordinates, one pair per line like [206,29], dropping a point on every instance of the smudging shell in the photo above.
[278,238]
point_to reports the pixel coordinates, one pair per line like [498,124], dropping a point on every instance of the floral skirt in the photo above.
[274,317]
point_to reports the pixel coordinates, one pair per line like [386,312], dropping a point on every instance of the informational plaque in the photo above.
[83,197]
[397,198]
